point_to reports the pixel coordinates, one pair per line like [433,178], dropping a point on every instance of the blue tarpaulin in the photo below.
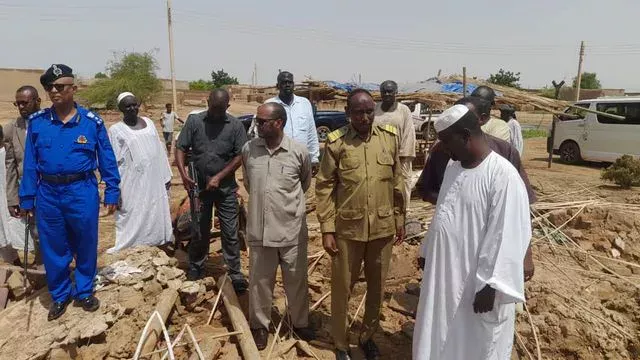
[456,87]
[350,86]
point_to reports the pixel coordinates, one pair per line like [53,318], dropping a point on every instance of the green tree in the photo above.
[134,72]
[220,78]
[589,81]
[505,78]
[100,75]
[200,85]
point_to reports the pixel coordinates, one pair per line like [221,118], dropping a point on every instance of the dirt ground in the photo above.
[583,302]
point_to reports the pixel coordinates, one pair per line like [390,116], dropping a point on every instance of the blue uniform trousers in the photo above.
[68,225]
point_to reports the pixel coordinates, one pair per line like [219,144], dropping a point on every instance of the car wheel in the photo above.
[570,152]
[323,131]
[429,133]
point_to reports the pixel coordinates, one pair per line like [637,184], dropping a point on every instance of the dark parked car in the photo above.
[326,122]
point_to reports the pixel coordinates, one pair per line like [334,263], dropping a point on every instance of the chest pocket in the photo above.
[86,147]
[288,175]
[385,163]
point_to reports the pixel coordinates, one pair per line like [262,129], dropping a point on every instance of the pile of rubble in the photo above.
[129,289]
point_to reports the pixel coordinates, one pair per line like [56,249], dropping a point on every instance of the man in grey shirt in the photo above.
[214,139]
[277,172]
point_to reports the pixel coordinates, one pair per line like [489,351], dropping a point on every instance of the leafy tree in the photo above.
[100,75]
[589,81]
[200,85]
[505,78]
[134,72]
[625,171]
[220,78]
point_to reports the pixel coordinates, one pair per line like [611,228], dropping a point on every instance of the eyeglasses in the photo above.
[58,87]
[261,122]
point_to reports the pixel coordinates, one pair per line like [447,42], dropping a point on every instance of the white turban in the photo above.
[124,95]
[450,117]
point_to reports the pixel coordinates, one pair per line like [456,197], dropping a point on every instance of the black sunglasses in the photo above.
[59,87]
[260,121]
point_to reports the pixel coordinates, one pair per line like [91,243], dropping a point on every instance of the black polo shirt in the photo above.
[213,144]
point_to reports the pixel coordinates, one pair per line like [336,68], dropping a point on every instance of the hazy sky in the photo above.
[333,40]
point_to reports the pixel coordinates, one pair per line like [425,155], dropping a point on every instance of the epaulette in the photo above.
[337,134]
[94,117]
[37,113]
[389,128]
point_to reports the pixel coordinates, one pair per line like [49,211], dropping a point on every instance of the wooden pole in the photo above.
[552,140]
[239,322]
[579,79]
[171,58]
[464,81]
[166,302]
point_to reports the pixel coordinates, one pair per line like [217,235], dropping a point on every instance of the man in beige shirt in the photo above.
[277,172]
[391,112]
[491,125]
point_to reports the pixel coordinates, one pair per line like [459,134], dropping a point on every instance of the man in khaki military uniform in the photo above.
[361,207]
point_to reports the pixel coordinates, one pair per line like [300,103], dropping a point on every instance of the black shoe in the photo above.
[193,274]
[370,349]
[240,286]
[342,355]
[56,309]
[261,337]
[90,303]
[305,333]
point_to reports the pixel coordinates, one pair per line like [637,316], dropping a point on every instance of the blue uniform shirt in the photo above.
[79,146]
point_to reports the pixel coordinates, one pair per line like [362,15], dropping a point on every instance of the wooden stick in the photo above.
[622,331]
[164,306]
[315,263]
[604,257]
[238,320]
[535,333]
[215,304]
[273,343]
[358,309]
[314,306]
[20,269]
[195,342]
[154,315]
[521,343]
[187,343]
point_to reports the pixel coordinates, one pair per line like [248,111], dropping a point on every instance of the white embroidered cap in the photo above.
[450,117]
[124,95]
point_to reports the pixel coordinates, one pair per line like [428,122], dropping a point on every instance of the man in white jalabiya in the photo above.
[474,250]
[143,216]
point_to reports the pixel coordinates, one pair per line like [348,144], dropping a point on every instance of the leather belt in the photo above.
[64,179]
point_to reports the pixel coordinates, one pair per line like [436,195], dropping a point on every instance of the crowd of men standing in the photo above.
[362,187]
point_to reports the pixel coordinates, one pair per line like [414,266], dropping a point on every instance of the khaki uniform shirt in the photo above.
[498,128]
[360,187]
[276,181]
[14,135]
[400,117]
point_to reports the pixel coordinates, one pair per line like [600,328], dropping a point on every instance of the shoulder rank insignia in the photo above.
[36,114]
[94,117]
[389,128]
[81,139]
[337,134]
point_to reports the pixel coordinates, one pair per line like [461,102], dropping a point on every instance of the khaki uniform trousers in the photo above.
[263,265]
[406,166]
[345,270]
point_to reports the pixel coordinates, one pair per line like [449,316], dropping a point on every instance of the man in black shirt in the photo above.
[215,140]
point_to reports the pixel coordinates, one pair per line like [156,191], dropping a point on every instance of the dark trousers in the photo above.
[226,204]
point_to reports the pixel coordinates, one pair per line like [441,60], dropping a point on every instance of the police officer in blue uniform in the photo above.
[64,146]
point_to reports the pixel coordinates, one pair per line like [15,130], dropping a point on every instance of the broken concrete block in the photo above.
[189,288]
[619,244]
[166,273]
[160,261]
[174,284]
[151,288]
[404,303]
[15,283]
[209,283]
[615,253]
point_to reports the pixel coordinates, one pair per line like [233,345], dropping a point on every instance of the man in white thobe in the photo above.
[508,114]
[474,250]
[143,216]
